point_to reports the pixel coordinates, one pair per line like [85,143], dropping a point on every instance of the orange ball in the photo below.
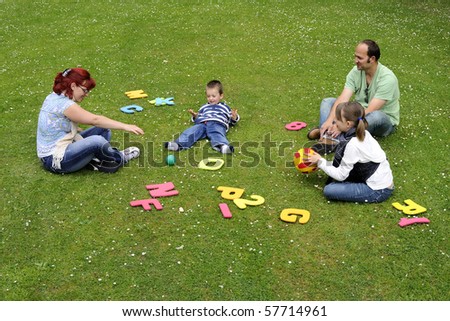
[299,160]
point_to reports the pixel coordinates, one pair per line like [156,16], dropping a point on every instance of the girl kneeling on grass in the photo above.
[61,146]
[360,171]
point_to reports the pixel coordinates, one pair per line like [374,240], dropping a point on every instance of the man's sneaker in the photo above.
[130,153]
[225,149]
[314,133]
[171,146]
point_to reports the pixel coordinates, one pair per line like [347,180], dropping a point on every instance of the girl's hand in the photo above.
[314,158]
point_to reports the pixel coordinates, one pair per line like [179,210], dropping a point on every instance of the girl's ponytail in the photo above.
[361,125]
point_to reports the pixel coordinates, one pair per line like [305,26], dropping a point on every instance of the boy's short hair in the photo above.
[215,84]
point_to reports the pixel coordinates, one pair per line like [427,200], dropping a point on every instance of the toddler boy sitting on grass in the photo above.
[212,121]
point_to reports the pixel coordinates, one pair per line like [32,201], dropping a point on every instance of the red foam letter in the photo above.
[162,190]
[146,204]
[408,221]
[225,210]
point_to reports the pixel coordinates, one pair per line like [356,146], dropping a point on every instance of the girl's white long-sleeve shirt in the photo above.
[366,151]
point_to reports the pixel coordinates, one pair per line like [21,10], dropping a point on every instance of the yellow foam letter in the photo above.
[217,163]
[230,193]
[412,208]
[242,203]
[290,215]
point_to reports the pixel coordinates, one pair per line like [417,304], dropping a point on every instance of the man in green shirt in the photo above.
[374,86]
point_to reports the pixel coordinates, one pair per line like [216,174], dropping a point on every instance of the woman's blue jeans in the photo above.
[95,144]
[213,130]
[379,123]
[355,192]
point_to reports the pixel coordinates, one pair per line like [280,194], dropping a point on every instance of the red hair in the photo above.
[64,80]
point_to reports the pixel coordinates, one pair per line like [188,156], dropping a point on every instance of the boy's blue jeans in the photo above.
[213,130]
[78,154]
[379,123]
[355,192]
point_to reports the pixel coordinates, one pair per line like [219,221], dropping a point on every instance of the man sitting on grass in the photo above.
[374,86]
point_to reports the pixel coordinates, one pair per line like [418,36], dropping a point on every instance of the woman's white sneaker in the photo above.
[130,153]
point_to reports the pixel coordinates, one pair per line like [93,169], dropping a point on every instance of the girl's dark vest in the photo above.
[360,171]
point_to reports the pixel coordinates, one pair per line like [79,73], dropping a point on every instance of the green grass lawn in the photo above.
[76,237]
